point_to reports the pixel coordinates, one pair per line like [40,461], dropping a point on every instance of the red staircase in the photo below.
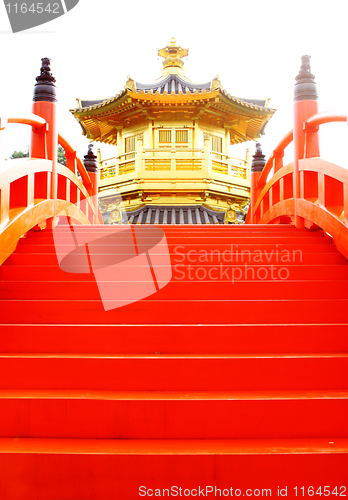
[205,384]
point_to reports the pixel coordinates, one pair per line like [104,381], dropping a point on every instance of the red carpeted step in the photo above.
[326,268]
[174,372]
[173,414]
[44,244]
[277,289]
[95,469]
[175,338]
[154,311]
[227,383]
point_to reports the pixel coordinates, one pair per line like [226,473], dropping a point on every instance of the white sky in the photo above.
[255,47]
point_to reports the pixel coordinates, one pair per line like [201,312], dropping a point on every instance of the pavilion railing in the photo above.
[173,160]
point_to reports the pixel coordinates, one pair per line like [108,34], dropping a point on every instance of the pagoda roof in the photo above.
[172,84]
[173,92]
[100,119]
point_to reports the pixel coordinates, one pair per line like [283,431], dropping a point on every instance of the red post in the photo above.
[91,165]
[257,165]
[44,143]
[305,106]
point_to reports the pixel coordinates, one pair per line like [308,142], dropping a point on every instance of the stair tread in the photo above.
[305,282]
[73,289]
[61,446]
[158,356]
[261,395]
[175,325]
[173,338]
[199,301]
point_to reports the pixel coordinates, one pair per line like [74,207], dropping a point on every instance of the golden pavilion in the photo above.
[173,138]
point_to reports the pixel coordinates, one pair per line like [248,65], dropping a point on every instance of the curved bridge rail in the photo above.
[308,192]
[26,189]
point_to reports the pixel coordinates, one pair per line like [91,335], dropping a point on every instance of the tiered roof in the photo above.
[173,91]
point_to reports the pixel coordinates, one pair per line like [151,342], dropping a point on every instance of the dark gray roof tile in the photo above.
[174,84]
[165,216]
[172,215]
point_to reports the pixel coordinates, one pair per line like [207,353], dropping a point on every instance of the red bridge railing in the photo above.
[309,192]
[34,190]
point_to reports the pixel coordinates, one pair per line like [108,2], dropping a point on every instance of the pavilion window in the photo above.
[181,136]
[130,144]
[216,144]
[165,136]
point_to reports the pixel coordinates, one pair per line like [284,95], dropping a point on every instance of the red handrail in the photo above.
[29,119]
[36,191]
[326,117]
[309,192]
[323,200]
[25,191]
[38,122]
[278,152]
[70,154]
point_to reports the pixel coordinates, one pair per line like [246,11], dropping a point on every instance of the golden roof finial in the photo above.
[172,55]
[130,85]
[215,84]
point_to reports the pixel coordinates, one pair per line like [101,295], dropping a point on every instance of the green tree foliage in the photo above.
[61,155]
[25,154]
[19,154]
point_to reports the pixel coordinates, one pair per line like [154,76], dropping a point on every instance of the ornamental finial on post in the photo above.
[258,163]
[305,86]
[90,160]
[90,151]
[45,89]
[45,72]
[257,166]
